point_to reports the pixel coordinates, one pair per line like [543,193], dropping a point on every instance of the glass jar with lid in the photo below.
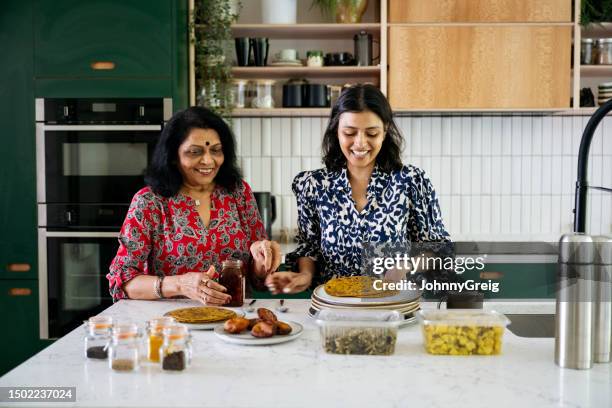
[240,93]
[97,337]
[264,94]
[176,352]
[124,351]
[155,336]
[232,277]
[602,51]
[586,51]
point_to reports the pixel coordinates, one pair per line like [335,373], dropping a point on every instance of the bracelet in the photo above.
[158,287]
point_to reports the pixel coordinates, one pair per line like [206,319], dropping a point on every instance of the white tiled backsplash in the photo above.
[497,177]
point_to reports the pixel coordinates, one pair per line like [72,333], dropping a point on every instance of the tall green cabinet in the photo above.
[68,48]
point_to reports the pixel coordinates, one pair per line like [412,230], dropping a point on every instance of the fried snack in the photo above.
[203,314]
[263,329]
[356,286]
[253,322]
[236,325]
[266,315]
[283,328]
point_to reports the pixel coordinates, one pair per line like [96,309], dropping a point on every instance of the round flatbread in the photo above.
[356,286]
[203,314]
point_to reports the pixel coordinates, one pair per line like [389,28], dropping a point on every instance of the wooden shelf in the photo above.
[596,71]
[597,30]
[291,31]
[279,112]
[311,72]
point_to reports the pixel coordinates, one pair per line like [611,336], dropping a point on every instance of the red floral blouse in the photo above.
[166,236]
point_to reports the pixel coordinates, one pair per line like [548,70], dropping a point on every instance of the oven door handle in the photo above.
[102,127]
[80,234]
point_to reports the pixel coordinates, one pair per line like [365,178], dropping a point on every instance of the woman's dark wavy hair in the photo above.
[359,98]
[163,174]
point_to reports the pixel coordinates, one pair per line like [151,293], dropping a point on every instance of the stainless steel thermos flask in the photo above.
[602,288]
[574,305]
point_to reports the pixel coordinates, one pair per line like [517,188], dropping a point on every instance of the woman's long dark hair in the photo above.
[359,98]
[163,174]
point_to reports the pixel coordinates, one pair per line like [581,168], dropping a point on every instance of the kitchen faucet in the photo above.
[582,184]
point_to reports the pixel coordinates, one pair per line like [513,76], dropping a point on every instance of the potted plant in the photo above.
[345,11]
[595,11]
[211,33]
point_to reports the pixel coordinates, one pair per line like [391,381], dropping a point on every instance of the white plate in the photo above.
[210,326]
[401,297]
[246,339]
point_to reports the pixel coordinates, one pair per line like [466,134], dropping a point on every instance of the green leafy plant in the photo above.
[328,7]
[595,11]
[211,33]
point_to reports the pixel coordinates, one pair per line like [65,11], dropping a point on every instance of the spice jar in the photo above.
[124,352]
[264,94]
[233,279]
[155,336]
[97,337]
[177,350]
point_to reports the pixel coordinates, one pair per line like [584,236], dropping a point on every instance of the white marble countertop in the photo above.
[300,373]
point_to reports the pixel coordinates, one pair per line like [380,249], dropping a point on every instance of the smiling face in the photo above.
[361,135]
[200,157]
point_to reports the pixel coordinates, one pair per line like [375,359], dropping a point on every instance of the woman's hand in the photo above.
[202,287]
[288,282]
[267,256]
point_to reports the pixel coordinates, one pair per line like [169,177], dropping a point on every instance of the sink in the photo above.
[532,325]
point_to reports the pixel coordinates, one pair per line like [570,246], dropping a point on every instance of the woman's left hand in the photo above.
[267,256]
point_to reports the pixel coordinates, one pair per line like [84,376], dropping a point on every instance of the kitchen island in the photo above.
[300,374]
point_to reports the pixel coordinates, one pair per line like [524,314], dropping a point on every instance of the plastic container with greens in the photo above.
[359,332]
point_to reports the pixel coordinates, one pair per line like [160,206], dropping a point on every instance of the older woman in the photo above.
[195,213]
[364,195]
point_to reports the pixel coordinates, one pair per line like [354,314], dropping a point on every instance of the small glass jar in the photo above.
[97,337]
[602,51]
[176,352]
[234,281]
[264,96]
[124,352]
[314,58]
[586,51]
[155,336]
[239,93]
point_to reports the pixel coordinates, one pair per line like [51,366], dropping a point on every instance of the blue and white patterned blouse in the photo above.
[402,207]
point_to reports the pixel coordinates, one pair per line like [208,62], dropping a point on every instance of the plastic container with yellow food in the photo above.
[462,331]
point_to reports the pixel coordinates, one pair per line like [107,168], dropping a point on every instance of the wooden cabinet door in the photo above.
[472,11]
[103,38]
[479,66]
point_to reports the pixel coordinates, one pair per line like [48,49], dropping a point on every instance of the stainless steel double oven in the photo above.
[91,157]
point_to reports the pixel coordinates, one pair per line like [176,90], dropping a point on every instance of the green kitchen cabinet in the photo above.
[103,38]
[20,337]
[18,244]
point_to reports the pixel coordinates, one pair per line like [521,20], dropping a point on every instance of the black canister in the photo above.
[317,96]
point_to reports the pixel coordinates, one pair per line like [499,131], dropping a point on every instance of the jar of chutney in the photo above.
[233,279]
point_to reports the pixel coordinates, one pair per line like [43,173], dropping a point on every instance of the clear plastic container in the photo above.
[462,331]
[176,352]
[359,332]
[97,337]
[264,97]
[124,352]
[240,93]
[155,336]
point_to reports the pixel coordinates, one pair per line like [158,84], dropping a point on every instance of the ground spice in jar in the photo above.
[123,365]
[99,352]
[174,361]
[155,342]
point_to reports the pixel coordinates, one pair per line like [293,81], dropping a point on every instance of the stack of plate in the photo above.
[405,302]
[605,93]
